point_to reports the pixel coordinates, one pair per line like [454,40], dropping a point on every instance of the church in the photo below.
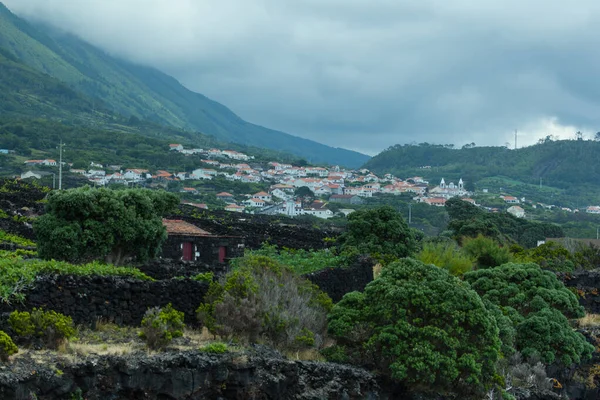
[449,190]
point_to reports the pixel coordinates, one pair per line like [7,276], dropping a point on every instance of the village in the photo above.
[322,185]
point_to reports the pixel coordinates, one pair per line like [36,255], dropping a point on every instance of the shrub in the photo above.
[161,325]
[264,299]
[422,327]
[446,255]
[52,327]
[207,277]
[538,305]
[215,348]
[486,251]
[7,347]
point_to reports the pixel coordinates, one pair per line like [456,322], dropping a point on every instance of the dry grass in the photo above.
[590,321]
[116,349]
[305,355]
[377,270]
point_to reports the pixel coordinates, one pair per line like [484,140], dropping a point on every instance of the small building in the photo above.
[187,242]
[516,211]
[226,197]
[510,199]
[234,208]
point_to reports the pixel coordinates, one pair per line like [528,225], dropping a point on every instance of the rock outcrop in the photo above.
[185,375]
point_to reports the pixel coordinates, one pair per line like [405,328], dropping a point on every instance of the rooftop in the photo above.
[180,227]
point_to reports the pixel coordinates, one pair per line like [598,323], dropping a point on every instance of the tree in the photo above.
[304,191]
[380,232]
[86,224]
[538,305]
[422,327]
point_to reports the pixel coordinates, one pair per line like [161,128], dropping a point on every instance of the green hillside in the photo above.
[147,93]
[569,169]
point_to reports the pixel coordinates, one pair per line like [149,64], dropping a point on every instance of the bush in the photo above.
[538,305]
[207,277]
[422,327]
[7,347]
[265,300]
[215,348]
[52,327]
[486,252]
[161,325]
[446,255]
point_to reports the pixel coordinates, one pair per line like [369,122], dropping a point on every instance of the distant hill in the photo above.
[569,165]
[145,93]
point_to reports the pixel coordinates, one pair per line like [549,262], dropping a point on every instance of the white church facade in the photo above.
[448,190]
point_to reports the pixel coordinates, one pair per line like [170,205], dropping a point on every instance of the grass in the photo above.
[299,260]
[589,321]
[6,237]
[17,274]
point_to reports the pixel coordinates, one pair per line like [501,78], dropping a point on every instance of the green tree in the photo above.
[486,252]
[538,305]
[86,224]
[421,326]
[304,191]
[380,232]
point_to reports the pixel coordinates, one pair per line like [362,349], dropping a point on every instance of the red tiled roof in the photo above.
[179,227]
[224,194]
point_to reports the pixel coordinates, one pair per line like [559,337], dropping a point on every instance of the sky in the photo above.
[365,74]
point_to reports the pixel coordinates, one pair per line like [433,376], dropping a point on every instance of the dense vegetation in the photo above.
[87,224]
[422,327]
[469,220]
[141,92]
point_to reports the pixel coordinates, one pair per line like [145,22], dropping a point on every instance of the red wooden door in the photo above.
[222,254]
[188,251]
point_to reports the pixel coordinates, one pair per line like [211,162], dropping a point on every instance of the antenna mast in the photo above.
[515,139]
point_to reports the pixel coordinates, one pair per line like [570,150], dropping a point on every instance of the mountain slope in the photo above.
[146,92]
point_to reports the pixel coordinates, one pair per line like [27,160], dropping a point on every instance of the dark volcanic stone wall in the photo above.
[336,282]
[167,268]
[188,375]
[586,284]
[121,300]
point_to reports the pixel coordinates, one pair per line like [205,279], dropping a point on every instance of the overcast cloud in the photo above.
[365,74]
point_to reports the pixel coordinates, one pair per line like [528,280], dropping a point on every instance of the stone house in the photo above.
[187,242]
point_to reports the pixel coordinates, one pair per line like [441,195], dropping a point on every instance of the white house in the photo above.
[516,211]
[510,199]
[254,202]
[204,173]
[262,196]
[234,208]
[175,146]
[593,210]
[134,174]
[50,163]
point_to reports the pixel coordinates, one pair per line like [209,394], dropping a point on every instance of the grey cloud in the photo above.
[360,74]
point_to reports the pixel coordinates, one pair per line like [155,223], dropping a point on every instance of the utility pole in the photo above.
[53,181]
[515,139]
[409,213]
[540,182]
[60,150]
